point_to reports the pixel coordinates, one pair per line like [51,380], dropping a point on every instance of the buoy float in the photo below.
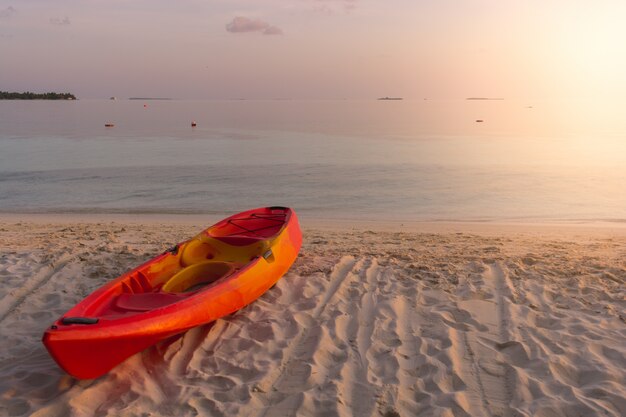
[145,105]
[193,124]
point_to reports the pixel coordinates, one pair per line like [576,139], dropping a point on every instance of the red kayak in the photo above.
[222,269]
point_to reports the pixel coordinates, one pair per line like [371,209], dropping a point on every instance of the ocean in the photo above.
[414,160]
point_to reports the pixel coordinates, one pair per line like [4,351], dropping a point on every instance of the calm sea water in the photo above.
[403,160]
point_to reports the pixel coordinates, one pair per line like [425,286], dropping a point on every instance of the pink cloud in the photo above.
[242,24]
[8,13]
[272,30]
[57,21]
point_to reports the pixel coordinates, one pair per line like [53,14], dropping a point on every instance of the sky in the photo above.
[315,49]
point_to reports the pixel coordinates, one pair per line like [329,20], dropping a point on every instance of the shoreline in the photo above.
[602,227]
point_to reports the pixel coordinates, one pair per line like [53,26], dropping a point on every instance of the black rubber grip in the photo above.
[79,320]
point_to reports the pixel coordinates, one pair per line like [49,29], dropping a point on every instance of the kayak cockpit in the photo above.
[194,265]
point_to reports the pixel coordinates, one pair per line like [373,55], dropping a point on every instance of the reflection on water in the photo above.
[407,160]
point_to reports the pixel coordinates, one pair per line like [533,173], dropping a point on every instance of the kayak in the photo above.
[217,272]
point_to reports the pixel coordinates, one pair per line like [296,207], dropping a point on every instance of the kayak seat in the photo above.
[232,248]
[145,301]
[198,275]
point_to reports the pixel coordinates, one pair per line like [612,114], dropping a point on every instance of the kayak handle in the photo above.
[79,320]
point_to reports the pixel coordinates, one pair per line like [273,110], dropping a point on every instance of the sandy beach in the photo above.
[372,320]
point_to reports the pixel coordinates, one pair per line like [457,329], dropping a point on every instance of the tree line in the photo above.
[27,95]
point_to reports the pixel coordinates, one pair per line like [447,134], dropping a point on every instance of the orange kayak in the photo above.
[217,272]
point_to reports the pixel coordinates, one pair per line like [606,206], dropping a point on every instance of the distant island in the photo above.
[391,98]
[5,95]
[484,98]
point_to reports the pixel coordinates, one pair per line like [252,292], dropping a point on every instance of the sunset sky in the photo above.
[315,48]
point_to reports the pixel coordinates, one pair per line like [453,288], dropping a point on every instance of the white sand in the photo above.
[449,320]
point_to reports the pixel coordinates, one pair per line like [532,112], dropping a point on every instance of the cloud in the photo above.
[60,22]
[272,30]
[242,24]
[8,13]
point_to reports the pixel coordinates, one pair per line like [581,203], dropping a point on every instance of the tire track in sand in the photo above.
[481,345]
[291,368]
[356,329]
[11,303]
